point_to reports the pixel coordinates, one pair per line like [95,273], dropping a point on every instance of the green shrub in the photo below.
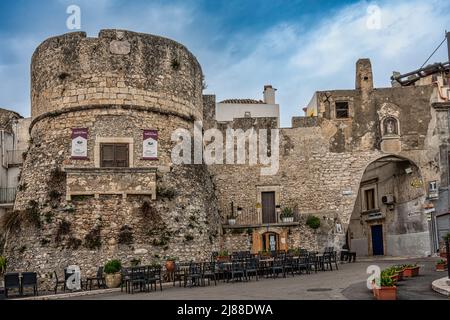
[447,237]
[112,266]
[313,222]
[2,265]
[386,281]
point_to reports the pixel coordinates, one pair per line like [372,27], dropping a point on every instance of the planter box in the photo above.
[223,259]
[394,278]
[231,222]
[441,267]
[288,220]
[386,293]
[411,272]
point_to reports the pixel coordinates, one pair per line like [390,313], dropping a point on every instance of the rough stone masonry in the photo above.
[71,211]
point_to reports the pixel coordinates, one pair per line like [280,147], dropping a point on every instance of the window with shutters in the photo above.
[114,155]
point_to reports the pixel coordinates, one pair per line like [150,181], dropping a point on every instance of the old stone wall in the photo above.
[72,211]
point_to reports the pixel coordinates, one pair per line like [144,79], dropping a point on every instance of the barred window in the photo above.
[342,110]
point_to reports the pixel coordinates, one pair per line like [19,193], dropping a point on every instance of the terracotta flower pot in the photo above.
[441,267]
[394,278]
[400,275]
[113,280]
[411,272]
[387,293]
[170,265]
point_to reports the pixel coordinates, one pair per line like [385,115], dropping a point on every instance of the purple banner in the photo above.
[79,143]
[150,145]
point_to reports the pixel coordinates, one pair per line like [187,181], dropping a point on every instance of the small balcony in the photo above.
[253,218]
[14,157]
[7,196]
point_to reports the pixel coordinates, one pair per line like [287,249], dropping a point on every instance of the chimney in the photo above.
[364,77]
[269,94]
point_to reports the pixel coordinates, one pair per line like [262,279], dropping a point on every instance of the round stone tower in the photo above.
[109,197]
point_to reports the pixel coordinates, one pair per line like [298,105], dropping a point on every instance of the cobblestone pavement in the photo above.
[349,282]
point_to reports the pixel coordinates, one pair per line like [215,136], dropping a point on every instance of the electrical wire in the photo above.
[433,52]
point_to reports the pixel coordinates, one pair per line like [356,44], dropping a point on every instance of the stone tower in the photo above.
[113,202]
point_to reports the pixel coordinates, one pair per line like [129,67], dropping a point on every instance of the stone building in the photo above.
[13,143]
[366,166]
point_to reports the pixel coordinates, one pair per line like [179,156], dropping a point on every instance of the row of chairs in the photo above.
[20,282]
[141,278]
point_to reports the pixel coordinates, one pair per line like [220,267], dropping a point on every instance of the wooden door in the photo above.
[268,207]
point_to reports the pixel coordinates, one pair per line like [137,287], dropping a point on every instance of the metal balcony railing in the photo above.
[253,216]
[15,157]
[7,195]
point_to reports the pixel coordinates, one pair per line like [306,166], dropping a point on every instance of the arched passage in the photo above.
[388,217]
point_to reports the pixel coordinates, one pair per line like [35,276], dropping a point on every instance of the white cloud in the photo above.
[297,58]
[299,63]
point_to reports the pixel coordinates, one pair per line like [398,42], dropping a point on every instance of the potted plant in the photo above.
[391,273]
[411,270]
[170,264]
[231,219]
[386,289]
[113,278]
[441,265]
[399,270]
[223,256]
[2,269]
[287,215]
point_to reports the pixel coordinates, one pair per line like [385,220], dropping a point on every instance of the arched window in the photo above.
[390,126]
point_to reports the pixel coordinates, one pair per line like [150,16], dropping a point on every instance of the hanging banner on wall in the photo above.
[150,146]
[79,143]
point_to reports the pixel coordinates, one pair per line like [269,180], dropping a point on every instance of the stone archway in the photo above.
[388,217]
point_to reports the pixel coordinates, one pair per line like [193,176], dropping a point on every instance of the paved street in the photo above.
[347,283]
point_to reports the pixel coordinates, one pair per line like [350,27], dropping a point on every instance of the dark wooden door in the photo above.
[268,207]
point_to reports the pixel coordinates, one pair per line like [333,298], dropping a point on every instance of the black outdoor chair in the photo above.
[59,282]
[154,277]
[302,264]
[289,266]
[328,258]
[223,270]
[99,278]
[12,281]
[137,280]
[312,262]
[179,274]
[126,276]
[277,267]
[194,275]
[251,268]
[29,280]
[237,270]
[209,272]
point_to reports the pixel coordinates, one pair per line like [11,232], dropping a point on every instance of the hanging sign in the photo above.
[150,145]
[79,143]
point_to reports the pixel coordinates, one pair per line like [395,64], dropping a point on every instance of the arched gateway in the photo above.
[389,216]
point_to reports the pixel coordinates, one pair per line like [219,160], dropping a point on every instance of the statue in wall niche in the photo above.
[390,126]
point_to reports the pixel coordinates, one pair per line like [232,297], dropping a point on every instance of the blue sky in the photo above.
[297,46]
